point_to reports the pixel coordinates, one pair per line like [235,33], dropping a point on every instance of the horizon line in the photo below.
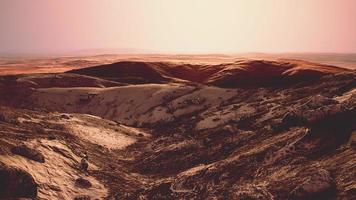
[78,54]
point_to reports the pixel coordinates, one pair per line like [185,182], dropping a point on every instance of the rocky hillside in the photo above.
[250,129]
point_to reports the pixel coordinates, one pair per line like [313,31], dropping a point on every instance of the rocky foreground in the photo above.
[133,130]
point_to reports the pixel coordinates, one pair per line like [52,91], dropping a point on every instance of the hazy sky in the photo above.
[178,26]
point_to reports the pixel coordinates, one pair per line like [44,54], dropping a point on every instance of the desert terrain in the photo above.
[177,127]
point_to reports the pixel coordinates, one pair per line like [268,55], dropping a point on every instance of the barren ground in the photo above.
[207,128]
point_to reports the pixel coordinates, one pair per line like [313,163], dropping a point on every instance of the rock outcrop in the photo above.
[16,183]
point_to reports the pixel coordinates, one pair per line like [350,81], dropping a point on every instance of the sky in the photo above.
[178,26]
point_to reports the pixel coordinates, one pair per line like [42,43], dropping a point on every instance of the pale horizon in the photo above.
[177,27]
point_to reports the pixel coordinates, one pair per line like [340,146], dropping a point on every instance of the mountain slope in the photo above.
[181,139]
[242,73]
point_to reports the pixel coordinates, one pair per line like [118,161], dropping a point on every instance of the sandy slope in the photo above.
[184,140]
[56,177]
[61,140]
[133,105]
